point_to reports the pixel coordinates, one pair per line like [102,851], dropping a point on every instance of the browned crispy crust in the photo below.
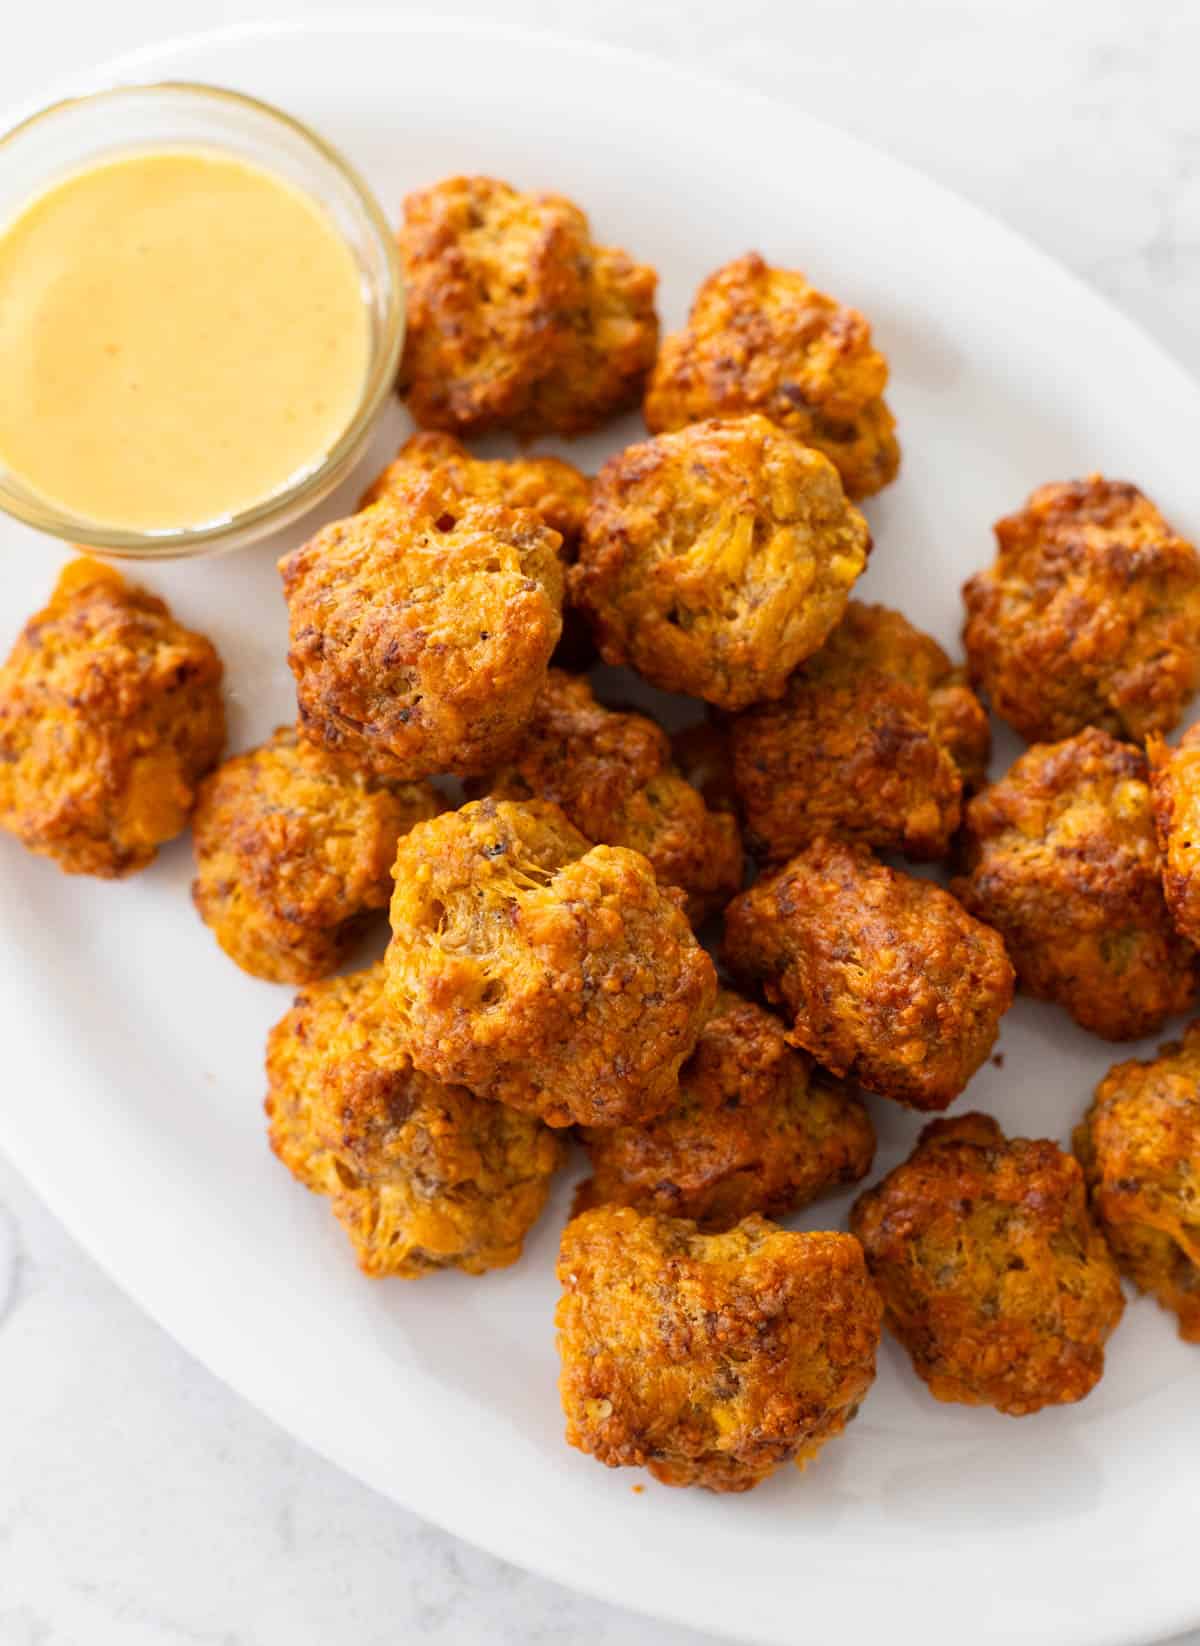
[710,1359]
[994,1277]
[755,1128]
[1175,791]
[553,490]
[761,339]
[1089,615]
[110,714]
[294,844]
[421,1175]
[1061,858]
[421,629]
[872,741]
[884,978]
[717,558]
[612,775]
[516,318]
[559,979]
[1139,1146]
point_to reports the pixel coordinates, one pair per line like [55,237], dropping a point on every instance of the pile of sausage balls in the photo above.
[544,977]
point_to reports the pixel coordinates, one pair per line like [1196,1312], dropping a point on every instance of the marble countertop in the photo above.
[142,1503]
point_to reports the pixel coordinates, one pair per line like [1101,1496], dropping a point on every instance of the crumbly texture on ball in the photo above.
[421,629]
[421,1175]
[716,559]
[755,1128]
[994,1276]
[1175,791]
[294,845]
[1139,1146]
[612,775]
[1062,860]
[883,977]
[710,1359]
[698,850]
[761,339]
[110,714]
[516,319]
[872,741]
[553,490]
[1089,615]
[550,975]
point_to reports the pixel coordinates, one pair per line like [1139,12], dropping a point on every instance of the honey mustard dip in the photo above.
[182,334]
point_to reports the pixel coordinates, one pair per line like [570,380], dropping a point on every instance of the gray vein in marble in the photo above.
[22,1627]
[126,1608]
[12,1263]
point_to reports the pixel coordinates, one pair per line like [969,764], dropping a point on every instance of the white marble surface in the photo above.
[141,1503]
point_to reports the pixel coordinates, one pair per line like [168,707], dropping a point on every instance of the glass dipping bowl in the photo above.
[80,131]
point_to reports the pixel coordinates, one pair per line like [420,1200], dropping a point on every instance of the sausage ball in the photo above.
[1089,615]
[872,741]
[1175,791]
[294,845]
[553,490]
[716,559]
[1139,1146]
[421,1175]
[710,1359]
[1062,860]
[421,629]
[755,1128]
[994,1277]
[110,714]
[550,975]
[612,775]
[884,978]
[760,339]
[516,318]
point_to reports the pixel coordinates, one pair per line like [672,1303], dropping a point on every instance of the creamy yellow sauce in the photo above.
[181,334]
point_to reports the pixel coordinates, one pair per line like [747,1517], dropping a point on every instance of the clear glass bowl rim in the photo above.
[255,521]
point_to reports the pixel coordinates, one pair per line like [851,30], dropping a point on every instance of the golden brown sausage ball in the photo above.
[994,1277]
[1062,861]
[611,774]
[1089,615]
[716,559]
[710,1359]
[755,1128]
[553,490]
[516,318]
[110,714]
[884,978]
[1175,791]
[761,339]
[871,741]
[421,1175]
[294,844]
[421,629]
[555,977]
[1139,1146]
[698,850]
